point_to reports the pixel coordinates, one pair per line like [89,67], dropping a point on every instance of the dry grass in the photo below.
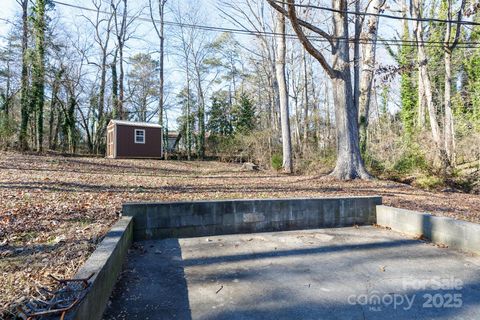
[54,210]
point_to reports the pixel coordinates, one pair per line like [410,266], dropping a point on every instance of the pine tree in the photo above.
[219,122]
[244,115]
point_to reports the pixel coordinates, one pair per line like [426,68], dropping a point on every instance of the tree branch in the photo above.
[459,26]
[332,73]
[301,22]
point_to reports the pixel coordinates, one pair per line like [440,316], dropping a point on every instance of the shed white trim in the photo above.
[139,136]
[135,124]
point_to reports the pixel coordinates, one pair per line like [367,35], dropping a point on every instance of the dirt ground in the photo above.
[54,210]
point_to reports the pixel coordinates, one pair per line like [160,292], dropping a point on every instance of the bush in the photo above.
[255,147]
[276,162]
[411,160]
[374,165]
[7,130]
[313,161]
[429,182]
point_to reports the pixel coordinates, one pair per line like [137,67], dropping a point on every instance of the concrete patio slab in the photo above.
[341,273]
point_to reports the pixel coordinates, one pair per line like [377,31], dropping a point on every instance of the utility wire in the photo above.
[382,15]
[390,42]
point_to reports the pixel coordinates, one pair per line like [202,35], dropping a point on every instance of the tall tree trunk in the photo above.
[57,127]
[101,121]
[201,118]
[161,12]
[356,54]
[188,130]
[328,118]
[427,85]
[121,86]
[161,98]
[102,39]
[421,119]
[118,80]
[306,103]
[283,95]
[53,106]
[6,105]
[161,84]
[349,161]
[276,91]
[449,129]
[159,30]
[70,122]
[25,103]
[39,68]
[50,122]
[368,69]
[298,113]
[117,113]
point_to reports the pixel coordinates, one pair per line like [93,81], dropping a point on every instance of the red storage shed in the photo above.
[127,139]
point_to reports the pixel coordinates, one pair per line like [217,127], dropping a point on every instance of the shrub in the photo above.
[411,160]
[276,162]
[313,161]
[374,165]
[7,130]
[429,182]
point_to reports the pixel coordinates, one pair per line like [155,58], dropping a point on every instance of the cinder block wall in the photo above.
[454,233]
[105,264]
[203,218]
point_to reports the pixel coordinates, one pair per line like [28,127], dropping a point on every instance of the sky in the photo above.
[7,10]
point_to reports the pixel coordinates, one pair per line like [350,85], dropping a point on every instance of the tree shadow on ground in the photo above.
[153,285]
[180,188]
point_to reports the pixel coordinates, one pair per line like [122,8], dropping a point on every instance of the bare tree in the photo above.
[142,85]
[426,83]
[159,30]
[369,39]
[121,35]
[449,46]
[102,24]
[283,95]
[25,104]
[256,17]
[349,161]
[185,52]
[196,51]
[306,101]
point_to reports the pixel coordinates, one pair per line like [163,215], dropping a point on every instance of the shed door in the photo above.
[110,142]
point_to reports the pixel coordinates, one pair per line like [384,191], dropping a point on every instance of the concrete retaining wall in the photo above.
[203,218]
[106,263]
[454,233]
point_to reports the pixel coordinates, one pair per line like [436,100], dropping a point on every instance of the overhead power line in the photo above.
[382,15]
[390,42]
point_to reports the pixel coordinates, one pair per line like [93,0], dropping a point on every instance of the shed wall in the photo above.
[127,148]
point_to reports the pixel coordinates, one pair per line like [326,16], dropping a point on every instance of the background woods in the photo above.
[388,88]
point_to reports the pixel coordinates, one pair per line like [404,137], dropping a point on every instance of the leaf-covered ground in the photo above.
[54,210]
